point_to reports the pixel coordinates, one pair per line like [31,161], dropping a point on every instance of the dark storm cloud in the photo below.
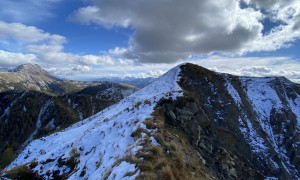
[297,23]
[170,30]
[269,4]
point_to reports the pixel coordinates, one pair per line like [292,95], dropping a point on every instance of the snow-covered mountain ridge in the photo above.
[103,139]
[190,123]
[27,115]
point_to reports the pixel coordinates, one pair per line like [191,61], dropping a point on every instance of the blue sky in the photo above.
[83,39]
[90,38]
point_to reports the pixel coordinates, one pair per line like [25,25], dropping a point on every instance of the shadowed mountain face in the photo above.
[189,123]
[241,126]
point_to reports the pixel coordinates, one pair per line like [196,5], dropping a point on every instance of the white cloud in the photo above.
[45,48]
[119,51]
[168,31]
[27,34]
[87,15]
[42,47]
[284,12]
[253,66]
[127,62]
[53,54]
[262,71]
[90,15]
[95,60]
[8,59]
[82,69]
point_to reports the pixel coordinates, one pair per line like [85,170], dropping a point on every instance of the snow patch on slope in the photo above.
[233,92]
[7,110]
[38,123]
[264,100]
[295,106]
[104,138]
[294,103]
[245,125]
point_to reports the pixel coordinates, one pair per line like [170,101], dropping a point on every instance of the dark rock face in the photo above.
[244,128]
[215,145]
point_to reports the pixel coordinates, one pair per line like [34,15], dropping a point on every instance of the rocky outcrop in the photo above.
[216,145]
[242,127]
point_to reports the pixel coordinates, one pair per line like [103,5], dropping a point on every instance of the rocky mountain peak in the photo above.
[29,68]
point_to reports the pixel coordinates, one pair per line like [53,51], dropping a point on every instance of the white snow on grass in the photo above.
[104,138]
[119,172]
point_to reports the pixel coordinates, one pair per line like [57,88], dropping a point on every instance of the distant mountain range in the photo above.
[191,123]
[33,77]
[138,82]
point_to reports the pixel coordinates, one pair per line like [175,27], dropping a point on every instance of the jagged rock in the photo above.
[183,115]
[192,106]
[172,115]
[195,134]
[206,147]
[202,120]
